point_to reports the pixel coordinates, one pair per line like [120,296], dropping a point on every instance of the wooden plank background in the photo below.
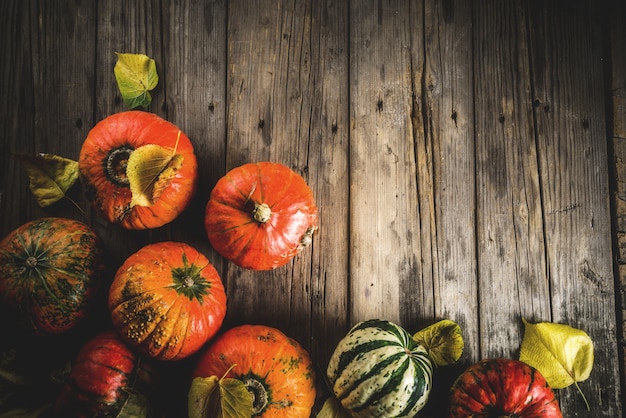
[459,153]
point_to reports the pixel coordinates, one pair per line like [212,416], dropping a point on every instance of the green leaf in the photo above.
[136,76]
[203,397]
[210,397]
[333,409]
[51,176]
[562,354]
[443,340]
[136,405]
[236,401]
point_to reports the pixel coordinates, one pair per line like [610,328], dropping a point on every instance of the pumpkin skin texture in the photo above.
[260,215]
[378,371]
[274,368]
[106,376]
[50,269]
[502,388]
[167,300]
[102,164]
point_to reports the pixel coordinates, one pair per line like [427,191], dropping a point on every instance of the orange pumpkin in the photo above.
[275,369]
[260,215]
[167,300]
[103,168]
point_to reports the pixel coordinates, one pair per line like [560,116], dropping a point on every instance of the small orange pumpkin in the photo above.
[275,369]
[167,300]
[259,216]
[103,168]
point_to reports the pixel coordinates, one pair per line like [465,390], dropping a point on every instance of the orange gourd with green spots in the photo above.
[50,269]
[167,300]
[273,367]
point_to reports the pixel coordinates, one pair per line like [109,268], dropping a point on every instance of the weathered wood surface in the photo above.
[457,151]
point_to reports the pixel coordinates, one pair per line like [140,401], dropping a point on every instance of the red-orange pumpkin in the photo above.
[103,162]
[275,369]
[106,378]
[260,215]
[50,269]
[167,300]
[502,388]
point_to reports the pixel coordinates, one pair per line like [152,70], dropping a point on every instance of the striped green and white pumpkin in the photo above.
[378,370]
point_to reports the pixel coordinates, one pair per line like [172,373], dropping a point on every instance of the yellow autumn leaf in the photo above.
[561,353]
[332,408]
[203,397]
[443,340]
[50,176]
[210,397]
[149,170]
[136,75]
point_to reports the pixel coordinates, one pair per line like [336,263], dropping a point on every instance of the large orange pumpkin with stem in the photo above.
[167,300]
[260,215]
[275,369]
[147,190]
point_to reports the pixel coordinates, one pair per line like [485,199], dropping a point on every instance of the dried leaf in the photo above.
[149,169]
[136,405]
[443,341]
[210,397]
[236,401]
[333,409]
[136,75]
[51,176]
[562,354]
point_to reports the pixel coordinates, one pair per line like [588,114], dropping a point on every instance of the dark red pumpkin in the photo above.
[275,369]
[103,163]
[502,388]
[107,377]
[259,216]
[167,299]
[50,269]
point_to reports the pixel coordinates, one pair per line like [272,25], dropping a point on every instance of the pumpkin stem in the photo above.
[188,281]
[260,395]
[261,212]
[31,261]
[115,165]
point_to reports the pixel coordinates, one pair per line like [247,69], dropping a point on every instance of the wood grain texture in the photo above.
[509,218]
[446,166]
[571,133]
[384,220]
[457,152]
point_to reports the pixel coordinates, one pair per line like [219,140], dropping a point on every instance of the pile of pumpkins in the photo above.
[167,301]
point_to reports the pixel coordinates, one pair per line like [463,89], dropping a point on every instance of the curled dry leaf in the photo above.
[51,176]
[148,170]
[333,409]
[136,75]
[443,340]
